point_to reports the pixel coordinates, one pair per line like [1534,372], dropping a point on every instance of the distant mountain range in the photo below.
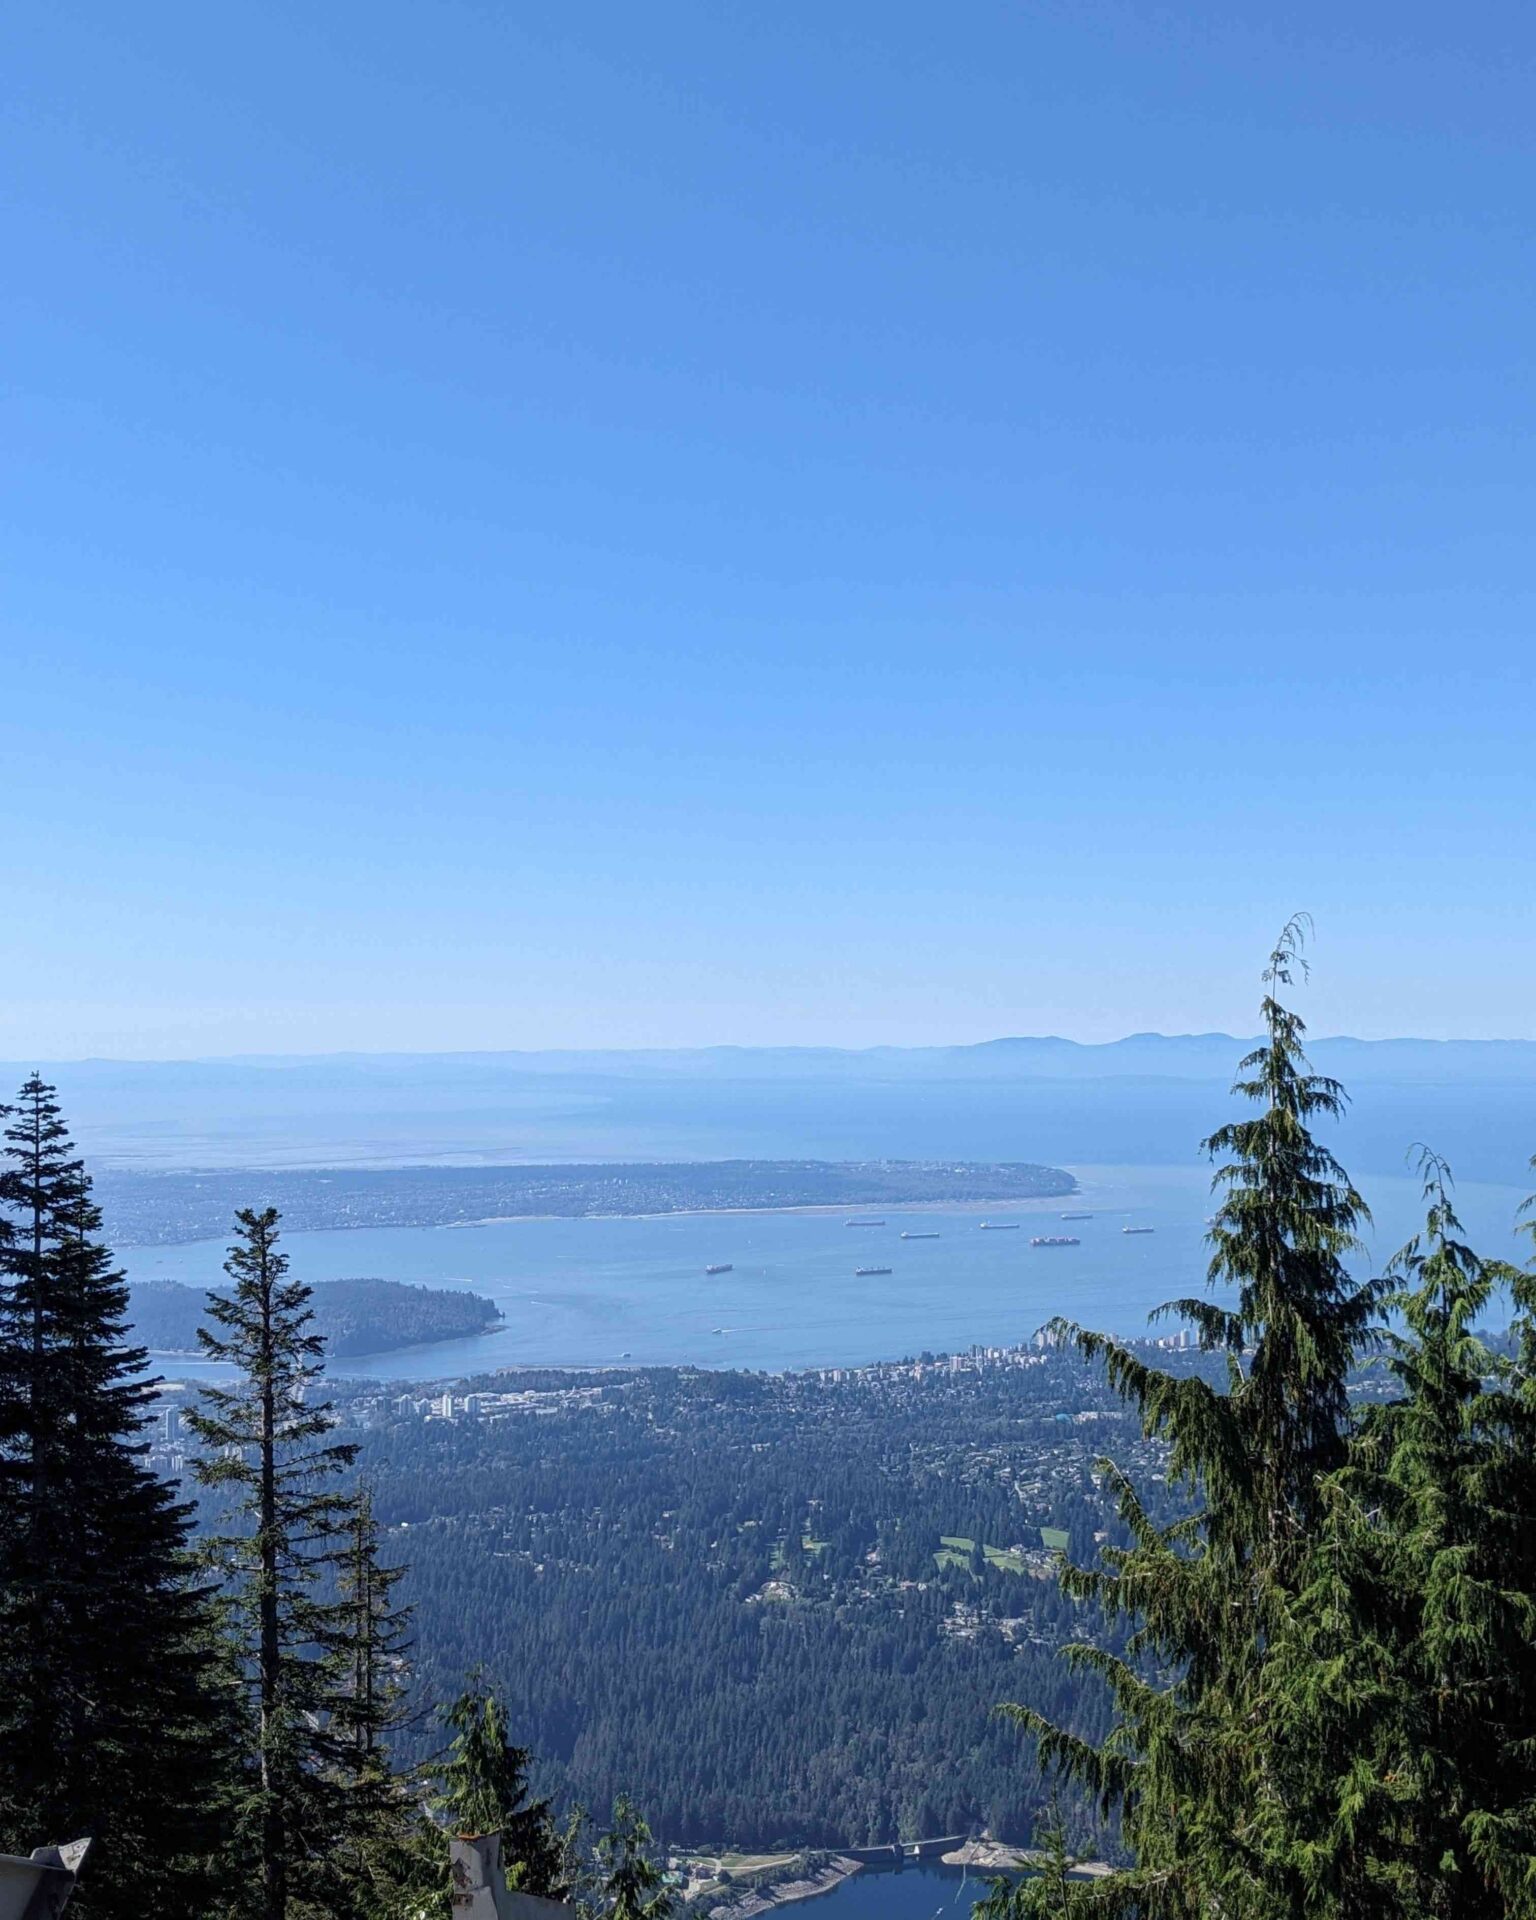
[1147,1098]
[1183,1056]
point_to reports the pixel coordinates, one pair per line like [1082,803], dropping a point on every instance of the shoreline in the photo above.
[998,1856]
[1011,1202]
[781,1893]
[1070,1187]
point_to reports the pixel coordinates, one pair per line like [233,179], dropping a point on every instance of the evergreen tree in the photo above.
[1403,1686]
[377,1860]
[483,1788]
[111,1720]
[630,1885]
[1048,1890]
[267,1445]
[1186,1765]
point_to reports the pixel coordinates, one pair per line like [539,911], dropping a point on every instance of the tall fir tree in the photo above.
[630,1885]
[112,1720]
[380,1863]
[1185,1767]
[1402,1686]
[268,1451]
[372,1705]
[483,1788]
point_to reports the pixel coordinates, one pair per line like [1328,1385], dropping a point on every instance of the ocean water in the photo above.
[915,1893]
[597,1292]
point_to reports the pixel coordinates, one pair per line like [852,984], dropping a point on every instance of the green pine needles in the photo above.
[267,1443]
[220,1720]
[113,1723]
[1327,1707]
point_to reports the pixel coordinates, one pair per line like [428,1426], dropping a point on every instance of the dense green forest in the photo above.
[218,1716]
[1263,1618]
[732,1595]
[351,1316]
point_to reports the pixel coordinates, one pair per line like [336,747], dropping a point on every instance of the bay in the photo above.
[923,1892]
[597,1292]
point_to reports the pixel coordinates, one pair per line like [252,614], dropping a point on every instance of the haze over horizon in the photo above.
[726,1049]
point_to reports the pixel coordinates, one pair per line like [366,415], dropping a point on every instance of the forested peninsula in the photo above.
[160,1209]
[351,1316]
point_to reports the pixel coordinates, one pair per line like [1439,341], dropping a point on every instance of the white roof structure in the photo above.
[480,1890]
[39,1888]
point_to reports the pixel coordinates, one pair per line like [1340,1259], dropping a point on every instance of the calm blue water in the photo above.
[916,1893]
[594,1292]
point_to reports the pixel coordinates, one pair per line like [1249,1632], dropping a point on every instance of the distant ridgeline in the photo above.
[355,1316]
[157,1209]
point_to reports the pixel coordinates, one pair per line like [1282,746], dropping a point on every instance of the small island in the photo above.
[355,1316]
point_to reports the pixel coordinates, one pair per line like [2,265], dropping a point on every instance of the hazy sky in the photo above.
[582,524]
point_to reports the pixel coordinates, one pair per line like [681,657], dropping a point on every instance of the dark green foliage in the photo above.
[112,1722]
[483,1788]
[1329,1706]
[381,1860]
[1048,1890]
[616,1566]
[1187,1765]
[1403,1733]
[372,1705]
[268,1443]
[350,1316]
[629,1884]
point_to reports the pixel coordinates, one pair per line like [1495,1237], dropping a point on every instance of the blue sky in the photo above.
[704,522]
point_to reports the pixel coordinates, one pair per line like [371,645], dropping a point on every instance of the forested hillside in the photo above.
[773,1608]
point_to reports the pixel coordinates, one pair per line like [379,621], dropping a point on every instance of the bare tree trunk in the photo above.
[274,1863]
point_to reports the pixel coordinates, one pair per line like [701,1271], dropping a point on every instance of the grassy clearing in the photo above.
[808,1545]
[955,1551]
[1053,1539]
[1004,1557]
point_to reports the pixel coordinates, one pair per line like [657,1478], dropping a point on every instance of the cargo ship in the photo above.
[866,1273]
[919,1236]
[725,1268]
[1056,1240]
[1077,1216]
[1138,1229]
[1001,1226]
[863,1223]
